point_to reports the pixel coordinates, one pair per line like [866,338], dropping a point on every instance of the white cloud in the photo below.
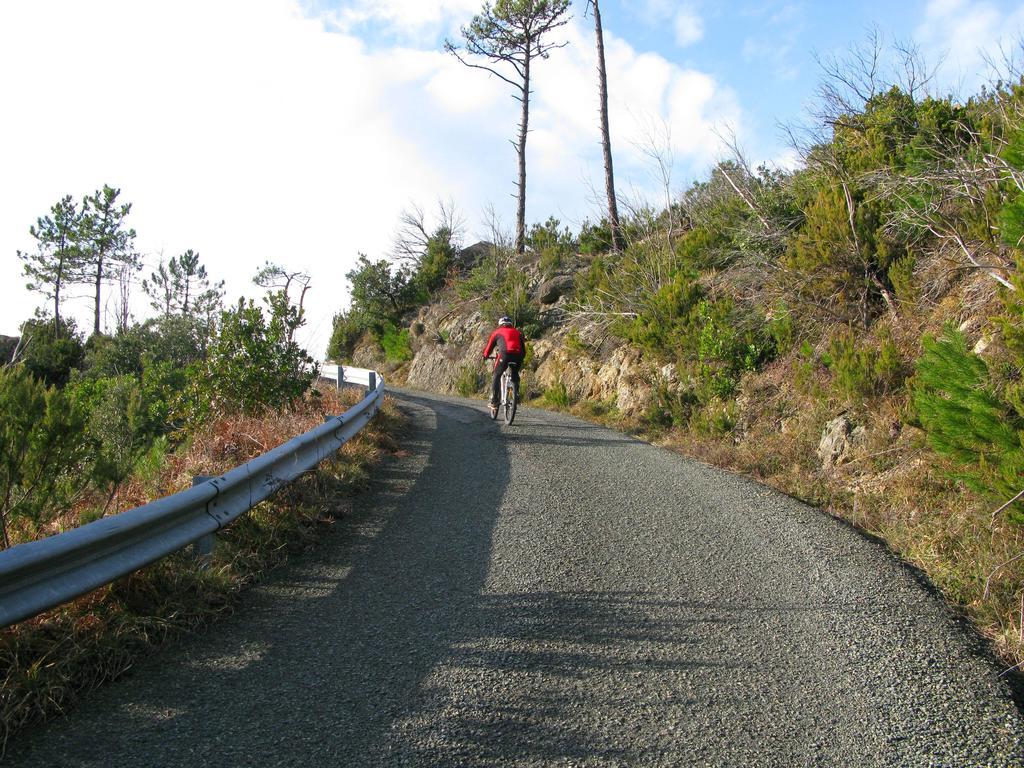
[966,33]
[689,27]
[249,131]
[413,20]
[684,19]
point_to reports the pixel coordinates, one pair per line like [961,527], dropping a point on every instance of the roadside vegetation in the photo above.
[851,331]
[92,426]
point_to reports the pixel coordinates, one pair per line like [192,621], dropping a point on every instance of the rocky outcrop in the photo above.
[447,340]
[550,291]
[838,437]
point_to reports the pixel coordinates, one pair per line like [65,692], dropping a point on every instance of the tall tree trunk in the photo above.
[606,141]
[521,149]
[58,279]
[99,281]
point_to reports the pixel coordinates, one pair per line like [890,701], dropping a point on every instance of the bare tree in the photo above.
[414,234]
[511,34]
[606,141]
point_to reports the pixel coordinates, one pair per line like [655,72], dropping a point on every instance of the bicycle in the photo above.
[509,394]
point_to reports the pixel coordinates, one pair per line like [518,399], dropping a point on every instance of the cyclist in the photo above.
[510,347]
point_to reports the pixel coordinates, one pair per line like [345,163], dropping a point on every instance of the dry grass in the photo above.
[47,663]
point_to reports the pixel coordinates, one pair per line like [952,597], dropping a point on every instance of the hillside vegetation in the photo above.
[851,332]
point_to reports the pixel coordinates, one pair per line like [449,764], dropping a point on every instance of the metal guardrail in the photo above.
[42,574]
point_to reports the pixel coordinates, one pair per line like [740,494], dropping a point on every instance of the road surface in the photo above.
[557,594]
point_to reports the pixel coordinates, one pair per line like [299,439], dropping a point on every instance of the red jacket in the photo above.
[514,342]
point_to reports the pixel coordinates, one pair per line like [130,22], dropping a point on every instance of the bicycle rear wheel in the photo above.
[511,401]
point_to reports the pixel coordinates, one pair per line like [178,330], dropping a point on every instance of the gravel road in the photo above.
[557,594]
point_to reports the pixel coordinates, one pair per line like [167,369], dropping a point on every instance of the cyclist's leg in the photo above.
[499,368]
[518,359]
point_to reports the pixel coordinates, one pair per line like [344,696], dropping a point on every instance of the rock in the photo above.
[835,441]
[472,255]
[552,290]
[982,345]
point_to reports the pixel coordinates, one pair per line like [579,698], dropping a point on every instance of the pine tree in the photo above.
[58,260]
[106,243]
[511,34]
[967,420]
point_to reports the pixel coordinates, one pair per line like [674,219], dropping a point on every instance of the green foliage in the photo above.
[551,244]
[396,344]
[725,349]
[779,326]
[106,244]
[666,316]
[250,366]
[182,287]
[51,349]
[595,239]
[42,447]
[469,381]
[1011,216]
[574,345]
[59,260]
[557,395]
[671,406]
[119,429]
[435,263]
[345,335]
[966,420]
[839,271]
[863,370]
[381,293]
[718,417]
[901,277]
[481,280]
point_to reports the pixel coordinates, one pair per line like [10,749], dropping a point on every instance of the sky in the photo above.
[297,131]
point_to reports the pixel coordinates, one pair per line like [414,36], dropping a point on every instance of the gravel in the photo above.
[554,593]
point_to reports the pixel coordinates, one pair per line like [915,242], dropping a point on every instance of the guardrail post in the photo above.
[202,549]
[373,382]
[340,379]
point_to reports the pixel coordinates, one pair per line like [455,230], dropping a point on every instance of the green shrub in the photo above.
[901,275]
[574,345]
[51,353]
[595,238]
[556,395]
[671,406]
[716,418]
[967,420]
[469,381]
[347,330]
[862,370]
[396,344]
[43,447]
[250,366]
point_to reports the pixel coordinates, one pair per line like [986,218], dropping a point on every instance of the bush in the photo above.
[50,352]
[42,449]
[470,381]
[250,366]
[557,395]
[966,420]
[861,370]
[595,238]
[118,428]
[396,344]
[716,418]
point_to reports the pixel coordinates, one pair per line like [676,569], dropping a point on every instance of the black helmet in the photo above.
[505,320]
